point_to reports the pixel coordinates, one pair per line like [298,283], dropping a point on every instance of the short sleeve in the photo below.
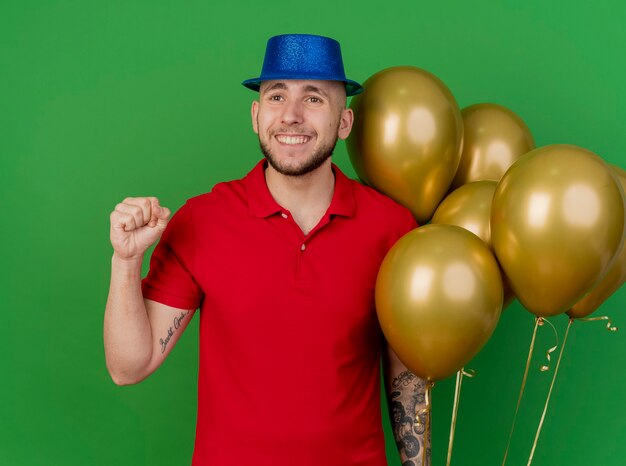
[170,280]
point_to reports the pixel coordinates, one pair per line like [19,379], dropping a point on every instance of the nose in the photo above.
[292,113]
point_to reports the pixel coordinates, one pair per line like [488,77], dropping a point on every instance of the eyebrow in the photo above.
[277,85]
[310,88]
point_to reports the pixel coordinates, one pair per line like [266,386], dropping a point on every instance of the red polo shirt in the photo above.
[289,340]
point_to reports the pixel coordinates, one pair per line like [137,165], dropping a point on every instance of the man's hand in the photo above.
[138,333]
[136,224]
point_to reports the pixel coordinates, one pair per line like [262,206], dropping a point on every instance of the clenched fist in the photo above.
[136,224]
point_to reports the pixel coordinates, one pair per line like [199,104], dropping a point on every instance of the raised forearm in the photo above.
[406,399]
[127,331]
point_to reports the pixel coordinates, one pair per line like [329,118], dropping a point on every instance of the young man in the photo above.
[282,264]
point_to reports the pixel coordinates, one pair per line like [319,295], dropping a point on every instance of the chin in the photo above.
[297,164]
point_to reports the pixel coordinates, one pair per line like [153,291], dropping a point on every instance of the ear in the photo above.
[345,124]
[254,111]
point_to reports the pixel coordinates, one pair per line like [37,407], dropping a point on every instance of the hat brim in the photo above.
[352,87]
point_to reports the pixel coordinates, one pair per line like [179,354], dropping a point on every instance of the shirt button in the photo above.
[303,247]
[284,215]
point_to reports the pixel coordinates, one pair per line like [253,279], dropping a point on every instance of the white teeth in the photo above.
[292,139]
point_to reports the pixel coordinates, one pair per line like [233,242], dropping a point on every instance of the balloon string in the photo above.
[609,324]
[545,408]
[455,407]
[426,412]
[521,392]
[546,367]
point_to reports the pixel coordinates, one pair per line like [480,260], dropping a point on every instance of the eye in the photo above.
[276,97]
[314,100]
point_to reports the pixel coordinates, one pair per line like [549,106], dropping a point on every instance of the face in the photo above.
[298,123]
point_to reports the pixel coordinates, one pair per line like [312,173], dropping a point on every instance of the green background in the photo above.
[103,100]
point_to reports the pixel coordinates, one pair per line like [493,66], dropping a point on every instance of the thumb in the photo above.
[162,214]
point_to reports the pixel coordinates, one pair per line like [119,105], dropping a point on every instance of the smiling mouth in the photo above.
[292,140]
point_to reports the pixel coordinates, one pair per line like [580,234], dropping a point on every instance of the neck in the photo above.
[307,197]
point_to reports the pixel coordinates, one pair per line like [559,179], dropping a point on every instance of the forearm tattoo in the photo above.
[178,322]
[406,398]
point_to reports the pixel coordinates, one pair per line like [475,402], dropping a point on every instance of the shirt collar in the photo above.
[262,204]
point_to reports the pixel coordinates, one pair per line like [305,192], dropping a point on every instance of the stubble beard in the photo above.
[312,163]
[315,160]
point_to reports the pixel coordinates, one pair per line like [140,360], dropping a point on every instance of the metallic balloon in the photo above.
[615,277]
[406,138]
[494,138]
[438,299]
[557,220]
[470,207]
